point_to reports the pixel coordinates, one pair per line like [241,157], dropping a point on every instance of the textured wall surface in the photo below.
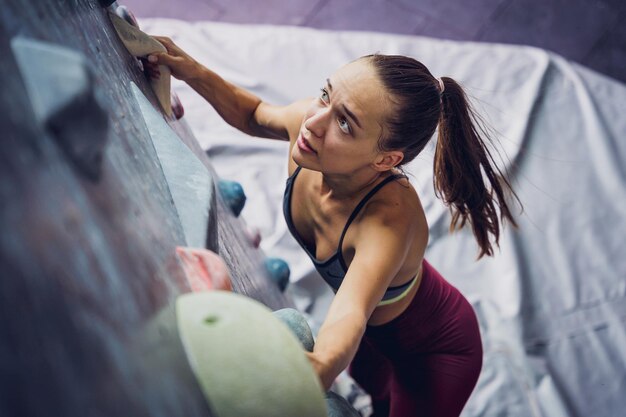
[88,270]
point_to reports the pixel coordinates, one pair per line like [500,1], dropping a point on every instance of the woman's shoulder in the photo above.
[395,207]
[396,203]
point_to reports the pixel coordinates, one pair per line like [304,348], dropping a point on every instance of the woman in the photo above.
[411,340]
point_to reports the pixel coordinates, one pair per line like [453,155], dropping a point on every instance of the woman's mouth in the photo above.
[304,145]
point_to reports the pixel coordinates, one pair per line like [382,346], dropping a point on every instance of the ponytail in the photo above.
[462,161]
[462,164]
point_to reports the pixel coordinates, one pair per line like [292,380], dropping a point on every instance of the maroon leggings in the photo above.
[426,361]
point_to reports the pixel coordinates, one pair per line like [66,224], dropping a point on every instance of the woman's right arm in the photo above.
[238,107]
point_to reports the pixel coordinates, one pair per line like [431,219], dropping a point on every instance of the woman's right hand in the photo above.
[183,66]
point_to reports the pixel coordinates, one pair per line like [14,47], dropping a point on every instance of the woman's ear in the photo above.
[387,160]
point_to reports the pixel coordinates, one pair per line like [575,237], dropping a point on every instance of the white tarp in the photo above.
[551,302]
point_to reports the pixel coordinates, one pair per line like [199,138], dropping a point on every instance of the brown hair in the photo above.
[462,159]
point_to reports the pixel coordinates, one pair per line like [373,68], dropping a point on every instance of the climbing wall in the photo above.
[99,186]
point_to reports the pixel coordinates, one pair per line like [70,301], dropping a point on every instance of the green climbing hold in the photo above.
[245,359]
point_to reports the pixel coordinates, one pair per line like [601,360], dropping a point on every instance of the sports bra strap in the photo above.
[362,203]
[295,173]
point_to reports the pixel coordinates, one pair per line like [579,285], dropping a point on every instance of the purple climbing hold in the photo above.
[253,234]
[177,107]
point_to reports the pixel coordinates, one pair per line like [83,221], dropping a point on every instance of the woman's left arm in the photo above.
[384,237]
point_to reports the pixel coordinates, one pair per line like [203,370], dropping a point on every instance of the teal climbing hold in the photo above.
[233,194]
[298,325]
[279,271]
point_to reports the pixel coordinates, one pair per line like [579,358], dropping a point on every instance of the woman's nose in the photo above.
[316,123]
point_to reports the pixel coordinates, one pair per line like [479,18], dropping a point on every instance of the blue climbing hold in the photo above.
[298,326]
[233,194]
[279,272]
[339,407]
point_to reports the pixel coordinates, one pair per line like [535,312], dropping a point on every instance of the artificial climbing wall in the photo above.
[95,186]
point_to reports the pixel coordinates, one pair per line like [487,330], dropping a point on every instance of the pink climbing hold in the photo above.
[205,270]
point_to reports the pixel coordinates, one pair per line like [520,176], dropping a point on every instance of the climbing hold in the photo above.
[254,236]
[177,107]
[127,15]
[233,194]
[205,270]
[140,45]
[62,91]
[246,361]
[190,183]
[278,271]
[298,325]
[339,406]
[106,3]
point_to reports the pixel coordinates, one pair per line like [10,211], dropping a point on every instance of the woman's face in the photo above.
[341,128]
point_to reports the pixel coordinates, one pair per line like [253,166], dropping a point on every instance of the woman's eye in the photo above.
[344,125]
[324,96]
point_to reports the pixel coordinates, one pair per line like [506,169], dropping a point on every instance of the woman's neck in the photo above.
[345,187]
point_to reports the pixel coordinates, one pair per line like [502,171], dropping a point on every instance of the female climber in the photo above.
[409,338]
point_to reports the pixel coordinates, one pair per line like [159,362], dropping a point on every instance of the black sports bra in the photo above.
[333,270]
